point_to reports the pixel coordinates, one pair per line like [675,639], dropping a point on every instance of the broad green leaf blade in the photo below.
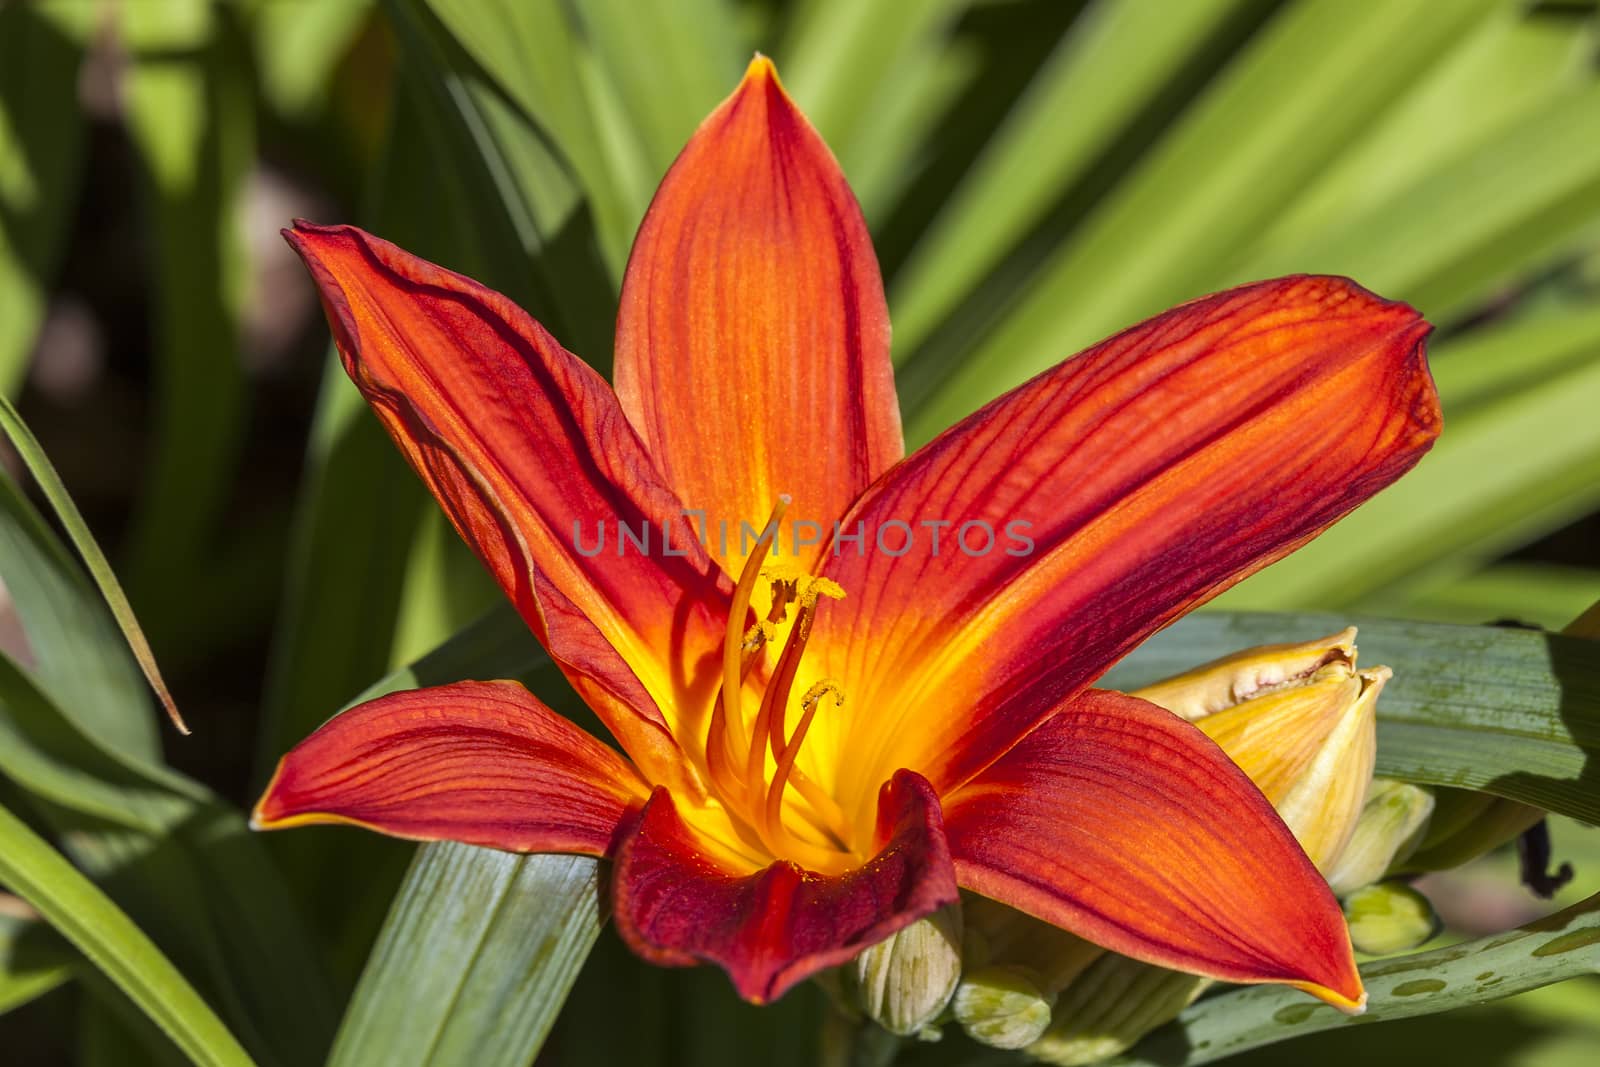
[504,936]
[1309,82]
[475,960]
[1539,594]
[1108,67]
[181,863]
[1510,712]
[1498,474]
[297,47]
[191,118]
[1514,64]
[1565,945]
[852,66]
[33,960]
[671,65]
[49,482]
[77,655]
[47,755]
[108,938]
[41,155]
[1473,222]
[537,57]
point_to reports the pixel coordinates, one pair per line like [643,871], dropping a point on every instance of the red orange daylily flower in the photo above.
[819,748]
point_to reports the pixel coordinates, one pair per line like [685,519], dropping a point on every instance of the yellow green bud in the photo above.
[904,982]
[1389,917]
[1002,1007]
[1391,825]
[1114,1004]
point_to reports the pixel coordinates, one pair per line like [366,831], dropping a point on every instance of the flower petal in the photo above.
[528,453]
[753,339]
[675,905]
[1121,823]
[480,762]
[1121,489]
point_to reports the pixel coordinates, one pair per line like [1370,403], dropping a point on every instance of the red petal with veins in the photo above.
[529,454]
[480,762]
[1124,824]
[676,906]
[1151,472]
[752,339]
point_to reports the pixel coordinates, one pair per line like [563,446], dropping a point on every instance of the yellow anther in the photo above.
[812,588]
[815,694]
[758,635]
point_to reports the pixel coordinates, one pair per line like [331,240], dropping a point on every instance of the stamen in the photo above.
[791,751]
[736,751]
[726,734]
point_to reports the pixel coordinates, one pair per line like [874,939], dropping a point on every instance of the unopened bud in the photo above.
[1114,1004]
[1002,1007]
[1302,725]
[904,981]
[1389,917]
[1391,825]
[1227,682]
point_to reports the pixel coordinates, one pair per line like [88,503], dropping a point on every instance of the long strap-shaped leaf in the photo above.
[87,918]
[1562,946]
[55,492]
[474,962]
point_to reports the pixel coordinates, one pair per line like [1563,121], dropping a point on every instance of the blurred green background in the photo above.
[1036,173]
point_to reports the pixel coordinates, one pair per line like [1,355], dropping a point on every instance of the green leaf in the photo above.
[1540,594]
[78,656]
[49,482]
[1562,946]
[152,835]
[298,45]
[671,65]
[108,938]
[1302,89]
[475,960]
[1475,221]
[41,156]
[1102,73]
[191,118]
[179,861]
[537,57]
[1517,62]
[1510,712]
[33,960]
[856,69]
[1499,474]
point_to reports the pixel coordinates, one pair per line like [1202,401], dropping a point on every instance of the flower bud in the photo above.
[1230,681]
[1389,917]
[1300,721]
[1002,1007]
[1116,1002]
[1391,825]
[1305,731]
[904,981]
